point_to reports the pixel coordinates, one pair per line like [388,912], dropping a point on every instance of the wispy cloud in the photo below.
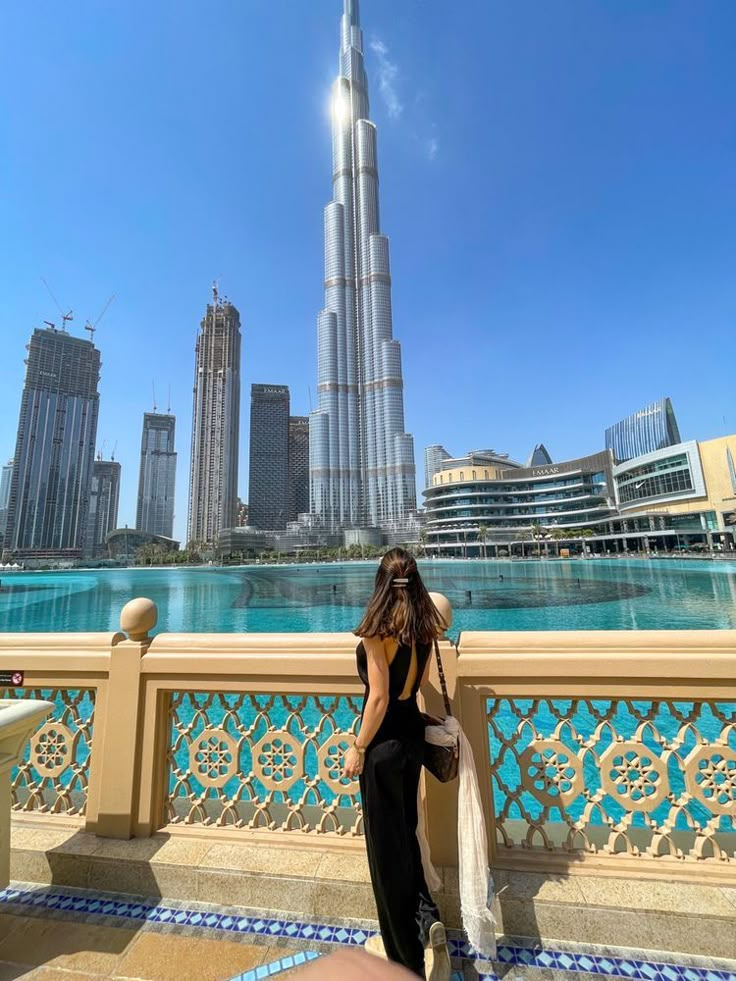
[388,73]
[421,131]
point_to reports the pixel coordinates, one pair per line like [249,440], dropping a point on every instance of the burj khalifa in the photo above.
[362,470]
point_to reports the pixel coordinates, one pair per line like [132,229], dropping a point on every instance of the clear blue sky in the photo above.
[558,182]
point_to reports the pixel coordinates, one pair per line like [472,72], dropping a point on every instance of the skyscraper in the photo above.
[539,457]
[433,458]
[157,476]
[361,460]
[213,482]
[651,428]
[104,497]
[54,452]
[298,466]
[6,474]
[268,480]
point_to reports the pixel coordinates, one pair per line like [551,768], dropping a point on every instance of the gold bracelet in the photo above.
[359,749]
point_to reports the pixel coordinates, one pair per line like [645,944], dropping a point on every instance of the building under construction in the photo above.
[54,452]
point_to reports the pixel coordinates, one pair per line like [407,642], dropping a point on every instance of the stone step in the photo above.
[332,883]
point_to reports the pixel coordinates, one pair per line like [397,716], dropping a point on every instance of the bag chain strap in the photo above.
[443,683]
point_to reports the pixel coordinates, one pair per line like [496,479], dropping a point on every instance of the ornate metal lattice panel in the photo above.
[608,776]
[54,774]
[262,761]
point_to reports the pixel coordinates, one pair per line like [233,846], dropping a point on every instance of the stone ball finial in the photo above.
[138,617]
[444,608]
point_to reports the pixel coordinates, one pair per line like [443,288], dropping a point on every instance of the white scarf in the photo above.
[476,883]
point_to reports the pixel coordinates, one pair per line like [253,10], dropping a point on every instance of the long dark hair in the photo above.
[400,606]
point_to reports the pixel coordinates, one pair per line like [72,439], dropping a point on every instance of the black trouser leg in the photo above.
[388,782]
[426,912]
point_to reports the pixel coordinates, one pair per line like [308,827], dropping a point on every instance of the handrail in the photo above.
[180,728]
[686,657]
[60,641]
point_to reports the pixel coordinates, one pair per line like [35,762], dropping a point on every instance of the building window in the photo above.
[462,475]
[474,477]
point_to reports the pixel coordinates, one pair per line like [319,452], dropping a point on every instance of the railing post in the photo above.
[472,705]
[118,765]
[154,743]
[441,799]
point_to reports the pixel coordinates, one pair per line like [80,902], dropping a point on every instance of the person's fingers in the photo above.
[353,965]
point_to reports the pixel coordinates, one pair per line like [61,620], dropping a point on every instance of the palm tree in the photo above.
[423,541]
[538,533]
[143,555]
[482,536]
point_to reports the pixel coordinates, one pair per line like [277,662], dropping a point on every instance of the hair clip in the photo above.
[400,582]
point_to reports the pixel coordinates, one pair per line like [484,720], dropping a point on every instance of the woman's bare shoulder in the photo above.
[374,646]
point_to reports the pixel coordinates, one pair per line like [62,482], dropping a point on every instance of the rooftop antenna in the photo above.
[153,388]
[168,405]
[112,455]
[217,299]
[64,316]
[93,327]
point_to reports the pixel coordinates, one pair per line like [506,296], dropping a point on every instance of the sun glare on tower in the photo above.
[340,107]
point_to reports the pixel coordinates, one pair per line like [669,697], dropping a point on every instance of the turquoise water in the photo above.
[594,594]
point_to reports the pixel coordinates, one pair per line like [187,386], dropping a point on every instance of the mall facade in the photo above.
[678,498]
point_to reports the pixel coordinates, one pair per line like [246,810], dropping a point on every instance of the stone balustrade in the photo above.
[596,752]
[18,719]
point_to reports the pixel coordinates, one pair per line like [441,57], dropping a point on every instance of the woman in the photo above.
[398,631]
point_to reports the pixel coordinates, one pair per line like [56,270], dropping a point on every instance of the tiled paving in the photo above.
[52,933]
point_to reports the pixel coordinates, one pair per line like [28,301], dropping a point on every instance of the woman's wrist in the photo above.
[358,748]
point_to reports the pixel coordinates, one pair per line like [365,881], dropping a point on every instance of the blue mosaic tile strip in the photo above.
[531,957]
[605,965]
[285,964]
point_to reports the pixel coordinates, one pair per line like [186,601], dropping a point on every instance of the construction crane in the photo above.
[112,455]
[64,316]
[92,327]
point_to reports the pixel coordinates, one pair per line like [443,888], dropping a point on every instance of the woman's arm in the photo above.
[375,706]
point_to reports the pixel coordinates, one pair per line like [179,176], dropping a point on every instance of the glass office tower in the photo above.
[54,452]
[102,517]
[651,428]
[361,461]
[298,466]
[268,480]
[157,475]
[434,457]
[6,474]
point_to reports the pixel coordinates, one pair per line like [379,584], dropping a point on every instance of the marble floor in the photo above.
[65,934]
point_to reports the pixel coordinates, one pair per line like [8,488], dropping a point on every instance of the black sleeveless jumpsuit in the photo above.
[388,788]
